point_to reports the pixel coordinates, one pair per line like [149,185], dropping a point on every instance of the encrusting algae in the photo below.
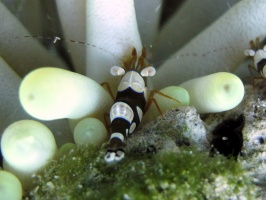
[82,174]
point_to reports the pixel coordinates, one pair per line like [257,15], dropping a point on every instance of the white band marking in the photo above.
[121,109]
[118,136]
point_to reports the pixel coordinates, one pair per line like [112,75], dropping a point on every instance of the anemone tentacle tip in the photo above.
[51,93]
[27,145]
[90,131]
[215,92]
[10,186]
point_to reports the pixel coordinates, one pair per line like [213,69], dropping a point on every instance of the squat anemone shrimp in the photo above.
[130,103]
[258,52]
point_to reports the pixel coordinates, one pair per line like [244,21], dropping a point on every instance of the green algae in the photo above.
[82,174]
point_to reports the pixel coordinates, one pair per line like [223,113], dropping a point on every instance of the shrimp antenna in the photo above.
[56,38]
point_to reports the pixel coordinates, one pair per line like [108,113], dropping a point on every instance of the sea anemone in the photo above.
[107,31]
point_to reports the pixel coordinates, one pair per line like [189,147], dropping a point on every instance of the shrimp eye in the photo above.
[148,71]
[249,52]
[117,71]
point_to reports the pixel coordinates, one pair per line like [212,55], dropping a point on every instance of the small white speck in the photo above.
[71,151]
[263,156]
[56,38]
[164,185]
[50,185]
[126,197]
[256,180]
[224,138]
